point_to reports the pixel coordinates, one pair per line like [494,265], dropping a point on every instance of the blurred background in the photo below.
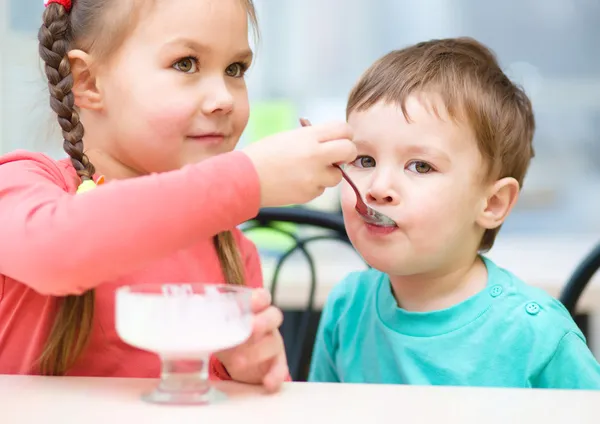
[311,52]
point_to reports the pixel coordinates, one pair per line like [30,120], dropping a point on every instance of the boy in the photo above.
[444,141]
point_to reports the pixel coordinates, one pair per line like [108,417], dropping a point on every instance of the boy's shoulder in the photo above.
[530,323]
[531,311]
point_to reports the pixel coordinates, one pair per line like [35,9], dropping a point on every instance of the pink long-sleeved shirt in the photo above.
[152,229]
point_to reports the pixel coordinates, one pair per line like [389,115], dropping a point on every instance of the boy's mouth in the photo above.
[380,229]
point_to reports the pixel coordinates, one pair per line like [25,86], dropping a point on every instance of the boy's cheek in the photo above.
[347,197]
[348,203]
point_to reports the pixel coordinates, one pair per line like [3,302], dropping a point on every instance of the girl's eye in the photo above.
[364,162]
[187,65]
[236,70]
[420,167]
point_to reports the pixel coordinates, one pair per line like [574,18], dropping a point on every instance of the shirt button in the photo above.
[496,290]
[532,308]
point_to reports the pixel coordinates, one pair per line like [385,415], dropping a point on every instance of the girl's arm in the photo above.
[59,243]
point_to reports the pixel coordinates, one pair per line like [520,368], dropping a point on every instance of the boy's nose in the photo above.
[374,196]
[382,191]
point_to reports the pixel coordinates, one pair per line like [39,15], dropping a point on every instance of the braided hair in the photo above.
[72,326]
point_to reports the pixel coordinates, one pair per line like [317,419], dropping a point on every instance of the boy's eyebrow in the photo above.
[426,150]
[360,143]
[413,149]
[243,54]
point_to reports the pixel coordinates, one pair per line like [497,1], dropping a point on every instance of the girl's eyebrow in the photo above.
[244,53]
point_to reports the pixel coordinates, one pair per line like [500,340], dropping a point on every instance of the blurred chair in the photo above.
[301,334]
[580,279]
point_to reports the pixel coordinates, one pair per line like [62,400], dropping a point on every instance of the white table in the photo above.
[27,399]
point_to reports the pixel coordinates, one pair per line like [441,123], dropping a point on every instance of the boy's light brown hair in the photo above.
[474,91]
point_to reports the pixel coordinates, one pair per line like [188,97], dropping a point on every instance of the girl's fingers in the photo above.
[256,354]
[265,322]
[277,373]
[261,300]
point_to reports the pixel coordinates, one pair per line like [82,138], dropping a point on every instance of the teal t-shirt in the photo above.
[508,335]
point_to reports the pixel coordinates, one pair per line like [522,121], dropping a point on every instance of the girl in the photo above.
[159,88]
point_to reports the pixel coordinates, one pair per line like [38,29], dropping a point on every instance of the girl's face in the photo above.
[174,93]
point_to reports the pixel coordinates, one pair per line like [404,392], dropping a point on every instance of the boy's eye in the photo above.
[364,162]
[420,167]
[236,70]
[187,65]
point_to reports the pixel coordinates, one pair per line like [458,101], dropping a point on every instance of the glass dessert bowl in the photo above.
[184,324]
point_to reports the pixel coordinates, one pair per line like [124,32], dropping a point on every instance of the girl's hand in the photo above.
[261,359]
[296,166]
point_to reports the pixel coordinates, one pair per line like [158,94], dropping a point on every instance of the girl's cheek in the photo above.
[174,119]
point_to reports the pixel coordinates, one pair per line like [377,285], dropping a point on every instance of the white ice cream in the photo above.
[184,326]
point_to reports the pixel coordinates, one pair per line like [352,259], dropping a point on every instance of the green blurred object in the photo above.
[270,117]
[273,242]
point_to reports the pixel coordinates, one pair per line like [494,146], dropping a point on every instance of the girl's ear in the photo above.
[85,84]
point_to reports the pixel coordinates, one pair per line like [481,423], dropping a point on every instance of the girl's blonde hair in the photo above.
[61,31]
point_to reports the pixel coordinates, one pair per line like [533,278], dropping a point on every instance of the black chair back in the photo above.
[579,280]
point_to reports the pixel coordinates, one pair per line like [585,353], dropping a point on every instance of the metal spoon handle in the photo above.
[349,181]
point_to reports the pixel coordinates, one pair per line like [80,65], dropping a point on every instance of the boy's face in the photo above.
[429,176]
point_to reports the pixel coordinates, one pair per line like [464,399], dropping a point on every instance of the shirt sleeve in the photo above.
[572,366]
[59,243]
[217,370]
[322,365]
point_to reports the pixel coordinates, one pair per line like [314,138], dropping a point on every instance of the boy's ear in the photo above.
[501,198]
[85,84]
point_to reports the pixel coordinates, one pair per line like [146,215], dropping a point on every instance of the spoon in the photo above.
[370,215]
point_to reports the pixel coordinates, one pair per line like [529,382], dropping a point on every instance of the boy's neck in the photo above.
[425,293]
